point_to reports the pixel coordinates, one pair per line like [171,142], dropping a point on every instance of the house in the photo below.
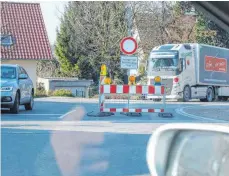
[24,39]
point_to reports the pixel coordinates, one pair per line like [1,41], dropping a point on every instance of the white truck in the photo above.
[190,71]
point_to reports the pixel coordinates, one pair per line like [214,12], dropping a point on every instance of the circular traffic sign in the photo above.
[128,45]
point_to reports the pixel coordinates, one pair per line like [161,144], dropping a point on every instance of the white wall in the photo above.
[45,82]
[29,65]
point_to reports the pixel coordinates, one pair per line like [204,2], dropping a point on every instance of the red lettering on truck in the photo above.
[215,64]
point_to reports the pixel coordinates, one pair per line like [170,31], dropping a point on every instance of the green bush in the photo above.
[62,93]
[95,96]
[40,93]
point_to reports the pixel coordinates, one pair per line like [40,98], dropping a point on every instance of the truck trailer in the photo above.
[190,71]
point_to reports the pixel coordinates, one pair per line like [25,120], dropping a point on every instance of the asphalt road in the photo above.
[49,141]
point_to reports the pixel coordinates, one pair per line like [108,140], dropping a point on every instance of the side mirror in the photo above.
[189,149]
[180,64]
[22,76]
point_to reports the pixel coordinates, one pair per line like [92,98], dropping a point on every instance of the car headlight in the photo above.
[6,89]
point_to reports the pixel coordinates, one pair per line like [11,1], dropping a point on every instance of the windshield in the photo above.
[164,62]
[8,73]
[128,66]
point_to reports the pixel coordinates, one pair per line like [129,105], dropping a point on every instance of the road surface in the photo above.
[50,141]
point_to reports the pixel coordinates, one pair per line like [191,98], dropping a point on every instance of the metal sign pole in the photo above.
[164,104]
[99,93]
[128,94]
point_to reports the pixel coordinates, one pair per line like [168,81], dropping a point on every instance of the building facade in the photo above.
[24,39]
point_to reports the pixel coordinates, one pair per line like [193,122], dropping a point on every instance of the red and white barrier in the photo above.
[130,110]
[130,90]
[127,89]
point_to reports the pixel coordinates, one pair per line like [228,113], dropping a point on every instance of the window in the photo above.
[6,40]
[22,71]
[8,72]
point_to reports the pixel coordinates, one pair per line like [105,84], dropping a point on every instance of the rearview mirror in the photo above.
[189,149]
[23,76]
[180,64]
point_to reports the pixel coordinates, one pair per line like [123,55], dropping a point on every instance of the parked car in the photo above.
[16,88]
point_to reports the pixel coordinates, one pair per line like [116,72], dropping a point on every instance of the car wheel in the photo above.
[15,108]
[210,94]
[29,106]
[186,94]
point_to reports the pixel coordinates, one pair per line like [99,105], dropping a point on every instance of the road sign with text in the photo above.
[129,62]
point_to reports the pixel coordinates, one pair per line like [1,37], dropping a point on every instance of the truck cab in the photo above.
[172,62]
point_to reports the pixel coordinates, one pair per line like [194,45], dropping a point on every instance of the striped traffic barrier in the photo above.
[131,90]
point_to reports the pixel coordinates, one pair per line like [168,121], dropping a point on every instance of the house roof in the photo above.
[24,23]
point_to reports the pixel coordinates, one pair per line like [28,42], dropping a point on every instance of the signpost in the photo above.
[128,47]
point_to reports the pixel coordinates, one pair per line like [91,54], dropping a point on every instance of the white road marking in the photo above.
[31,114]
[17,132]
[182,112]
[216,104]
[61,117]
[89,129]
[126,128]
[55,123]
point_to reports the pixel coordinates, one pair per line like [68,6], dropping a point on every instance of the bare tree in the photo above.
[162,22]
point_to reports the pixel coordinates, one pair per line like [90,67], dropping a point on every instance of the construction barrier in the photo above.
[105,89]
[130,90]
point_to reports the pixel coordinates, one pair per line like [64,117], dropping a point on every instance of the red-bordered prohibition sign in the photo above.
[128,45]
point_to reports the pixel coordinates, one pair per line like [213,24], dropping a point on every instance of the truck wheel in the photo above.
[157,99]
[223,98]
[210,94]
[203,99]
[15,108]
[186,94]
[29,106]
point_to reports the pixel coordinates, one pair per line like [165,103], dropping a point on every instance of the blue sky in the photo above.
[51,11]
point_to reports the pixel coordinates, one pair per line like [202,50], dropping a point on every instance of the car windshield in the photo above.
[85,83]
[8,72]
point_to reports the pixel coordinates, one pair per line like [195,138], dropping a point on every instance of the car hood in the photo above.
[7,82]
